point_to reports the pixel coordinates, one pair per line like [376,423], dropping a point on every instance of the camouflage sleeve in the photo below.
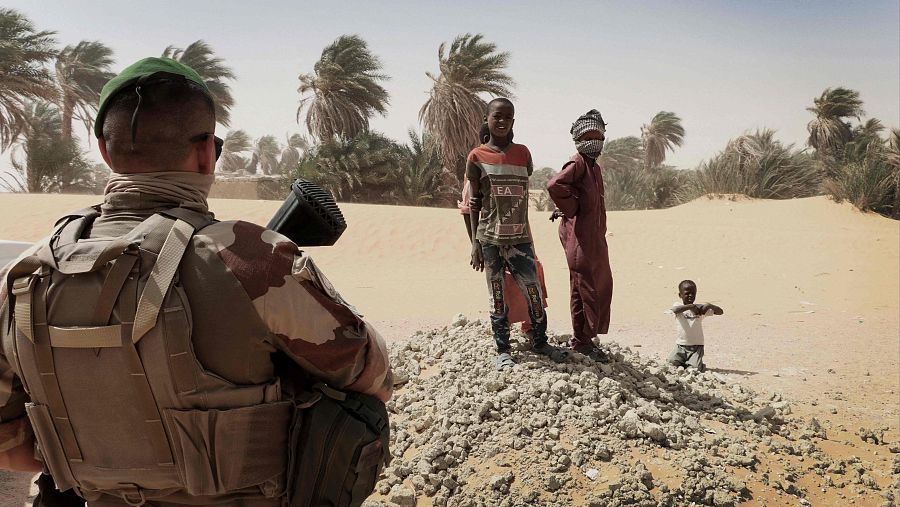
[307,319]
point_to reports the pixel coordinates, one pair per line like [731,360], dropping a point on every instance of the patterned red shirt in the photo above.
[504,184]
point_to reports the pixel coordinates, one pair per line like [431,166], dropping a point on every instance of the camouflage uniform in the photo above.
[260,308]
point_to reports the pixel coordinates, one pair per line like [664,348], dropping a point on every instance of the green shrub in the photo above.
[869,184]
[755,165]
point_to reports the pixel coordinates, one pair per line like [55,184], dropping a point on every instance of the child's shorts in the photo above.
[689,356]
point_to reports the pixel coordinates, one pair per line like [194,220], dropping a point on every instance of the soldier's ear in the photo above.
[206,155]
[101,142]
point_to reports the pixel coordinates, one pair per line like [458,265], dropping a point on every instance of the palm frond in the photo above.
[215,73]
[344,90]
[23,77]
[662,134]
[470,68]
[81,72]
[265,155]
[359,169]
[44,161]
[756,165]
[829,130]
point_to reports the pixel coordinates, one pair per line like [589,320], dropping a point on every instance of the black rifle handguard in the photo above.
[309,216]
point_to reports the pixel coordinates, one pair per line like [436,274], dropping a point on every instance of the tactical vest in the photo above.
[100,336]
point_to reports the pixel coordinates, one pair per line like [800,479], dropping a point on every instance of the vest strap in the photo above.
[23,290]
[161,277]
[196,219]
[86,337]
[112,286]
[43,357]
[153,425]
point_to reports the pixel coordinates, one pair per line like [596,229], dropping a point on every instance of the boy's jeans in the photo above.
[520,261]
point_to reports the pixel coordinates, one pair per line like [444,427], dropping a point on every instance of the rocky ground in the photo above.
[632,432]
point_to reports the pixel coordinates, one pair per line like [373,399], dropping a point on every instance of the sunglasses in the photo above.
[216,140]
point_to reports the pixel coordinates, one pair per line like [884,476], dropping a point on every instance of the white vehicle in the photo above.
[9,250]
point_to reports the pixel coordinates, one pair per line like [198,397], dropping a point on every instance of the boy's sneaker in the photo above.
[555,353]
[593,352]
[504,361]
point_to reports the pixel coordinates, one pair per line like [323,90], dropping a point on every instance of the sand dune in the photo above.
[811,288]
[807,284]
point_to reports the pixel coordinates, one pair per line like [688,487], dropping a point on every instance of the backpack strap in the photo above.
[161,276]
[20,280]
[112,286]
[43,358]
[69,228]
[145,401]
[195,218]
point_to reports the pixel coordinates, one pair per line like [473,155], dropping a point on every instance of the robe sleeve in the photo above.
[563,189]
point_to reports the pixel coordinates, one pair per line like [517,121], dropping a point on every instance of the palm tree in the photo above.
[624,153]
[236,142]
[295,145]
[757,165]
[662,134]
[43,161]
[343,91]
[360,169]
[81,72]
[23,78]
[200,57]
[893,159]
[420,174]
[265,155]
[455,109]
[828,131]
[540,177]
[864,139]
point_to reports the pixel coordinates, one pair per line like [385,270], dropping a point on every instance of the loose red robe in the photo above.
[577,191]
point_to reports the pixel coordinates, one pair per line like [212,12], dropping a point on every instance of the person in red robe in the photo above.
[577,191]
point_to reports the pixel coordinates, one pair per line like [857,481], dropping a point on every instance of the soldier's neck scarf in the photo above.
[185,189]
[591,120]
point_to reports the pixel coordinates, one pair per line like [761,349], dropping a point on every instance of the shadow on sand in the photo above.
[732,372]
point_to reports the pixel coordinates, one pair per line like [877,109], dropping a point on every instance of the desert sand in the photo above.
[810,288]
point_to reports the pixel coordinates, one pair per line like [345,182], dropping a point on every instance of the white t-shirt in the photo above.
[689,325]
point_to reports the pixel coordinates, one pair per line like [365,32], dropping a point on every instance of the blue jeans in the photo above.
[519,259]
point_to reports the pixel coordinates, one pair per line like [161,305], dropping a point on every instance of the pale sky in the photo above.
[723,67]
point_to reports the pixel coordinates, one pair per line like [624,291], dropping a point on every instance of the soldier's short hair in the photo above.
[170,114]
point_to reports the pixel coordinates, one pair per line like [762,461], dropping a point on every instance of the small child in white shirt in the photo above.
[688,321]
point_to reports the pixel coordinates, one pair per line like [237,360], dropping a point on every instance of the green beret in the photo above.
[143,69]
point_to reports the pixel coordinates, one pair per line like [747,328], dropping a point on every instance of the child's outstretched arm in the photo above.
[683,308]
[709,306]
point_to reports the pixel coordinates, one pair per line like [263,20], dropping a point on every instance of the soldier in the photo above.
[249,317]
